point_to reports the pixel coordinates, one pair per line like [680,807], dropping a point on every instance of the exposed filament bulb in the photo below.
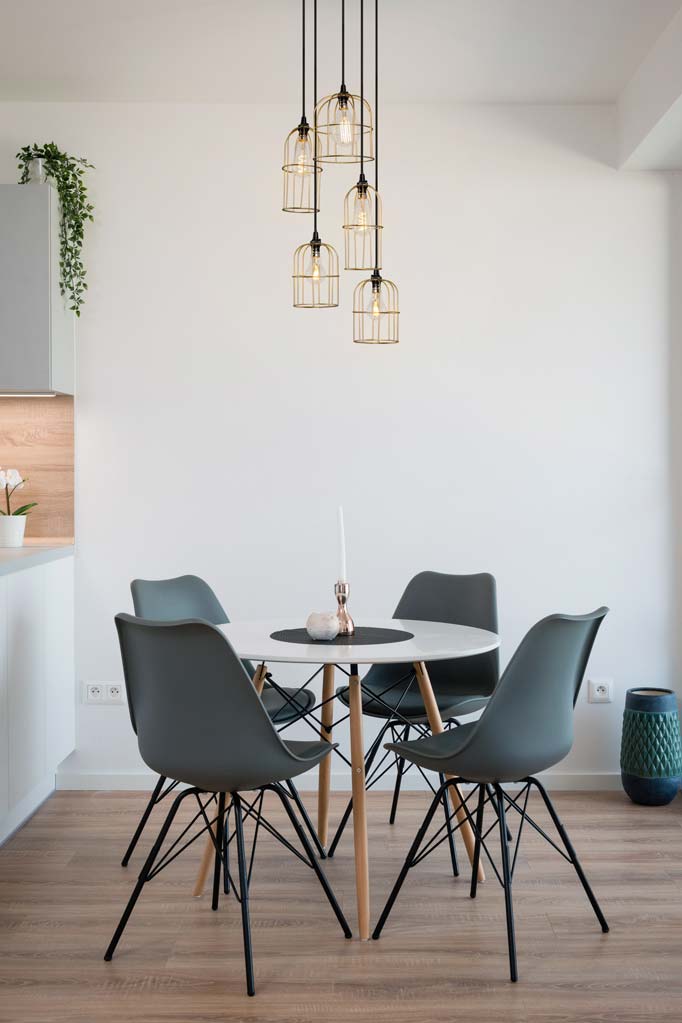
[303,155]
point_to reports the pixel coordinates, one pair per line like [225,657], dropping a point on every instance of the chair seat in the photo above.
[279,710]
[412,706]
[436,752]
[313,750]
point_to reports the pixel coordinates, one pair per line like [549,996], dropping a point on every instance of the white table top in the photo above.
[433,641]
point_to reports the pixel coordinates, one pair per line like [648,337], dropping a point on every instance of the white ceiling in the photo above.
[536,51]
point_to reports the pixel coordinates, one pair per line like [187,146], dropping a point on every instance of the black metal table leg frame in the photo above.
[321,876]
[478,831]
[144,873]
[243,893]
[398,779]
[448,824]
[218,862]
[369,760]
[414,849]
[143,820]
[568,845]
[507,884]
[306,819]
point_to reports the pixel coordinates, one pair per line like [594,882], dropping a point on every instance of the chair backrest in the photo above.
[527,725]
[459,600]
[197,715]
[170,600]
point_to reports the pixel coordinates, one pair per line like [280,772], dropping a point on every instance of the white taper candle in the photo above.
[342,548]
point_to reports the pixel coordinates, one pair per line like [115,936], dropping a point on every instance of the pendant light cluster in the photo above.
[342,132]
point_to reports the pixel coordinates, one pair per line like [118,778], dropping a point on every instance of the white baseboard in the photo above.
[19,814]
[142,781]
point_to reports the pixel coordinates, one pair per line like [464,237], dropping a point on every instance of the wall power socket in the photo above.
[104,694]
[600,690]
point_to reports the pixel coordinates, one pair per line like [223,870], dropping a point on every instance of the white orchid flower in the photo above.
[14,479]
[3,479]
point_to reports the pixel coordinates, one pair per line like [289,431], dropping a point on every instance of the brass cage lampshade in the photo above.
[376,312]
[299,166]
[343,120]
[362,227]
[316,275]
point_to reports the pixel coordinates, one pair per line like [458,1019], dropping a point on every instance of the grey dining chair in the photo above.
[188,596]
[526,727]
[461,685]
[216,737]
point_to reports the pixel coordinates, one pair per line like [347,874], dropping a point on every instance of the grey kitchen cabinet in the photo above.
[36,326]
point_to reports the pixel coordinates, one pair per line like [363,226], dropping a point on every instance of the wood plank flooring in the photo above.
[442,956]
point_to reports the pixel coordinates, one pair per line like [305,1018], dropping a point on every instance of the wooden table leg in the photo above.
[357,757]
[207,861]
[325,768]
[207,858]
[436,725]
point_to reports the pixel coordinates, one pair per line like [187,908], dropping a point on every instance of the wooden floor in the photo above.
[442,956]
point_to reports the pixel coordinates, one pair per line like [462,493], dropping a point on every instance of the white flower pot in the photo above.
[12,530]
[36,171]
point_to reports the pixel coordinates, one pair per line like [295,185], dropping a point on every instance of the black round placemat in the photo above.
[363,636]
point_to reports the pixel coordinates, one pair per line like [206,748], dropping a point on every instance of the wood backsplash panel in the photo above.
[36,437]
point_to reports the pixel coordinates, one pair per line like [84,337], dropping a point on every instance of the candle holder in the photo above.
[346,626]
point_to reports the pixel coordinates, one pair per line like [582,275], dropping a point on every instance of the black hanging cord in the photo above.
[362,90]
[376,138]
[316,238]
[343,45]
[303,62]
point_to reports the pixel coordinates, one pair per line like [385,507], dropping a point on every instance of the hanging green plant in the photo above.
[68,173]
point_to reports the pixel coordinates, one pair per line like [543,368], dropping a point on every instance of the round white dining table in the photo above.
[431,641]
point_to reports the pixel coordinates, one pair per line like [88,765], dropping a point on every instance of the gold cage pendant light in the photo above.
[316,264]
[376,312]
[344,121]
[299,168]
[316,275]
[376,306]
[300,165]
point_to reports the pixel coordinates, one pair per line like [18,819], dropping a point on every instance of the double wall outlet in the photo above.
[600,690]
[103,693]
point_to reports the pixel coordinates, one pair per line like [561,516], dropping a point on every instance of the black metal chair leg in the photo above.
[478,831]
[448,826]
[226,852]
[143,820]
[244,893]
[306,819]
[321,876]
[396,789]
[369,760]
[398,779]
[144,873]
[414,848]
[493,802]
[568,845]
[218,862]
[507,884]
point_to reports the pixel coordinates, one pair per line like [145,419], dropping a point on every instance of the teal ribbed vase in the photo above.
[651,747]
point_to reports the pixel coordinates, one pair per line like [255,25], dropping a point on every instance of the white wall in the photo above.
[521,426]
